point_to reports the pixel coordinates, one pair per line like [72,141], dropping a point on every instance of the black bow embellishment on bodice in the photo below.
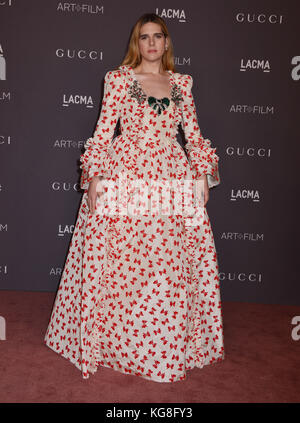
[158,104]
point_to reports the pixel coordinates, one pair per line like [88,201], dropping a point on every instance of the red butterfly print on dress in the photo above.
[140,293]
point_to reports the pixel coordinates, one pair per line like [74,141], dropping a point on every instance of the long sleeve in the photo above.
[95,160]
[202,157]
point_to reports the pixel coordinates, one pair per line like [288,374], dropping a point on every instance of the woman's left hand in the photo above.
[203,189]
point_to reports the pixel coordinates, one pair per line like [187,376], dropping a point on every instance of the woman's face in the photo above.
[152,42]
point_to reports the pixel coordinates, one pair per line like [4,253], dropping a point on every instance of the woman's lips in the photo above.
[152,51]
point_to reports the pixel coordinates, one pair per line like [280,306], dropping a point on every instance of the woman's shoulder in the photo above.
[185,80]
[113,75]
[121,74]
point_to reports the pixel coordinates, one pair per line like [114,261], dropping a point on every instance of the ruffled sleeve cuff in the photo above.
[94,162]
[204,161]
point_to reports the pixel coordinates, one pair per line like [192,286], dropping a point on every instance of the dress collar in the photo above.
[130,73]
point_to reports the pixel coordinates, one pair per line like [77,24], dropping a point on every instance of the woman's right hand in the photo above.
[93,192]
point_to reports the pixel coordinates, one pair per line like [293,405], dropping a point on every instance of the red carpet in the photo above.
[261,361]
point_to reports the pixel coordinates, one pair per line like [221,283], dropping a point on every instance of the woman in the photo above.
[140,291]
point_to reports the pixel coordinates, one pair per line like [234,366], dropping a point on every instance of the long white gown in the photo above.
[140,293]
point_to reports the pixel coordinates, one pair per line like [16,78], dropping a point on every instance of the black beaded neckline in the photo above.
[158,104]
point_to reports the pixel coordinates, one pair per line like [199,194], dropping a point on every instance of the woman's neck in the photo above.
[150,67]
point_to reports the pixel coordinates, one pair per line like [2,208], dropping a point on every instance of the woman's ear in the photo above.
[167,43]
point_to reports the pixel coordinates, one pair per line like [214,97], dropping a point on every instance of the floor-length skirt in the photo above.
[139,294]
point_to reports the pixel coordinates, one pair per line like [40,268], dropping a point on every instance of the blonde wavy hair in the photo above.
[133,57]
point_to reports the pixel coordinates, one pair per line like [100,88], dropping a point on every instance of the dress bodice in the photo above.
[146,122]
